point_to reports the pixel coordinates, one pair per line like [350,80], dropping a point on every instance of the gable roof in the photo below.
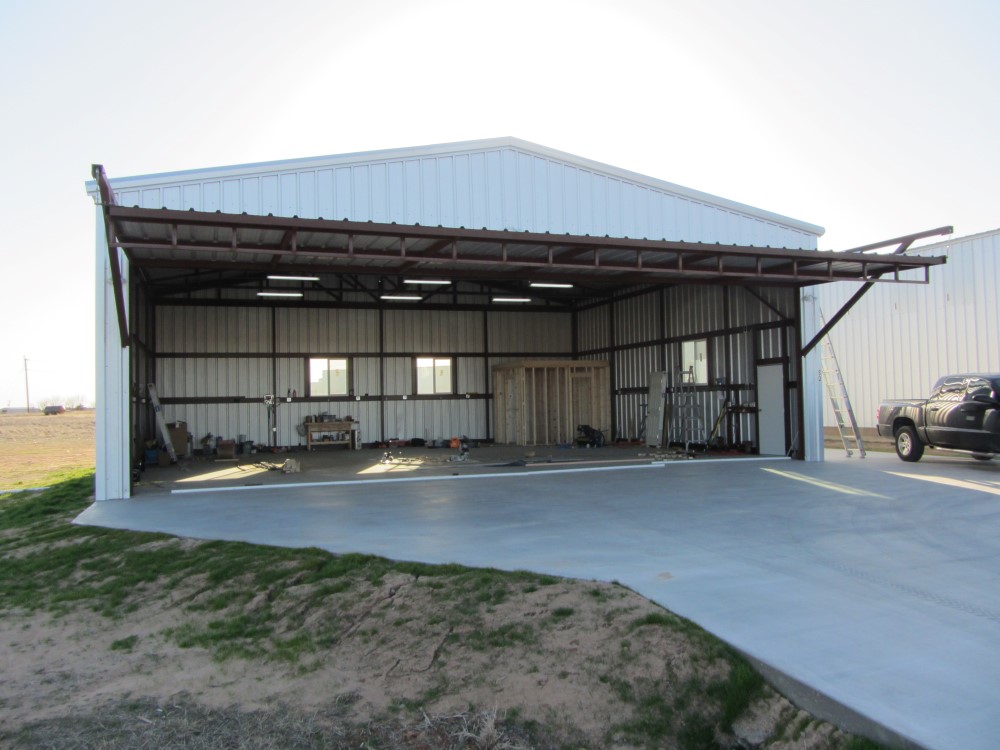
[499,184]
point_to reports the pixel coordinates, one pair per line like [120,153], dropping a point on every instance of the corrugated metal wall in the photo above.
[498,187]
[220,362]
[742,328]
[530,333]
[900,338]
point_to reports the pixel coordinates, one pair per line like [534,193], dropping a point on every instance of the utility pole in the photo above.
[27,400]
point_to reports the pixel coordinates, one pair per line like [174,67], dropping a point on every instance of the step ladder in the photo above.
[833,379]
[161,422]
[690,423]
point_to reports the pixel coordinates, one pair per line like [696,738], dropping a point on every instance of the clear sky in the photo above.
[872,118]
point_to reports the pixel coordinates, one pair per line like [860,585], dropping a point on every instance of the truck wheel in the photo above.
[983,456]
[908,445]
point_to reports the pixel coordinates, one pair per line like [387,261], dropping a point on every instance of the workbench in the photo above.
[341,433]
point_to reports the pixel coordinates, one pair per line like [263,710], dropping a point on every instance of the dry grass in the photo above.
[184,724]
[34,448]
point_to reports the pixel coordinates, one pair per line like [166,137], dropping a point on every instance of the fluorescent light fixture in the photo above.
[429,282]
[279,294]
[402,297]
[512,299]
[550,285]
[294,278]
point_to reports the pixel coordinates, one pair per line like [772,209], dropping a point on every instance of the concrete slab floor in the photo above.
[873,582]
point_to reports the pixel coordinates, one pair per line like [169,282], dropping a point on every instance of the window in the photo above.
[434,375]
[949,389]
[978,387]
[328,377]
[694,362]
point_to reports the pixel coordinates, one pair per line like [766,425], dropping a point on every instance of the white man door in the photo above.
[771,409]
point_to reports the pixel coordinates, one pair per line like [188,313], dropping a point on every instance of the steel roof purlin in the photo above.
[150,236]
[236,249]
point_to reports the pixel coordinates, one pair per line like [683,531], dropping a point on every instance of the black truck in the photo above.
[962,414]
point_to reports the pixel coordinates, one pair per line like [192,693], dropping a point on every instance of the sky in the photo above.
[871,118]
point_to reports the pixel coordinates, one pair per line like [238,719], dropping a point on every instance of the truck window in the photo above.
[949,389]
[978,387]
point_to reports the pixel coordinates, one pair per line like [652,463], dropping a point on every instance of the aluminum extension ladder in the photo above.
[161,422]
[833,379]
[690,423]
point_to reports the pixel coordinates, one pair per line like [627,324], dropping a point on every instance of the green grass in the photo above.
[505,636]
[125,644]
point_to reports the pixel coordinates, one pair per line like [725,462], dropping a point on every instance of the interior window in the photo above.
[328,376]
[694,362]
[434,375]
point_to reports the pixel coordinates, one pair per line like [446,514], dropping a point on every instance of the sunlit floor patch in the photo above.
[394,467]
[990,488]
[228,473]
[842,488]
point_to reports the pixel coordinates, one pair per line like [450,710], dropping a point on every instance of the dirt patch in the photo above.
[33,447]
[567,662]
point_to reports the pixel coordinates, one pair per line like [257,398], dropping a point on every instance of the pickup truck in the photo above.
[962,414]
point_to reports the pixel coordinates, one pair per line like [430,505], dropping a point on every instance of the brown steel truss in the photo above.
[198,240]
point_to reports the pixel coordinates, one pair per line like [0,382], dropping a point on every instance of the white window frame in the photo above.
[343,387]
[694,362]
[440,381]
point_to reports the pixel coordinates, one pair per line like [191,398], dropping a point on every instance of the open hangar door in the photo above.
[221,309]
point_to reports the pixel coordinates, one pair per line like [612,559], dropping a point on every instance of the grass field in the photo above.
[36,450]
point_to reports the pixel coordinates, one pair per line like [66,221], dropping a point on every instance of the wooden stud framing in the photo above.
[542,402]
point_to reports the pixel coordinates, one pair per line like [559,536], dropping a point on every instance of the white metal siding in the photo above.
[499,187]
[550,333]
[326,331]
[592,329]
[693,310]
[213,377]
[433,332]
[213,330]
[112,480]
[637,319]
[900,338]
[446,419]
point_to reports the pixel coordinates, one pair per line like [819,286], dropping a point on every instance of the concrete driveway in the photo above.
[873,582]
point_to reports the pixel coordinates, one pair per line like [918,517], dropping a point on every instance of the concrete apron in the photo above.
[867,588]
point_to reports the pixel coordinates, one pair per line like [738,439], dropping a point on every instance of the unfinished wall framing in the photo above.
[543,402]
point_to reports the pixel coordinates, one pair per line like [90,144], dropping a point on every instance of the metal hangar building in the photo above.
[396,286]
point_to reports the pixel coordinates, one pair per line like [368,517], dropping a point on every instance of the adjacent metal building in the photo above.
[648,275]
[898,340]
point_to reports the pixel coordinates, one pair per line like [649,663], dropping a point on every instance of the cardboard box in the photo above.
[225,449]
[179,437]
